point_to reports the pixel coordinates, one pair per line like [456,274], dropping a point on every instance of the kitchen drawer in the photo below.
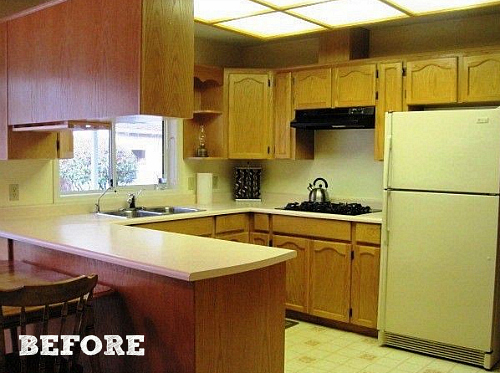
[321,228]
[196,227]
[261,222]
[231,223]
[368,233]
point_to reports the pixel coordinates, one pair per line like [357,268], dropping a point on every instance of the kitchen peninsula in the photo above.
[204,305]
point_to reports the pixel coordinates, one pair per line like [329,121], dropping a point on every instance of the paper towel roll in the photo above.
[204,188]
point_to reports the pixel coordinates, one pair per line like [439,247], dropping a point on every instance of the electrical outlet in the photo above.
[191,183]
[13,192]
[215,181]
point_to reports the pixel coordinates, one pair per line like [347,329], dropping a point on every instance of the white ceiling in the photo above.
[9,7]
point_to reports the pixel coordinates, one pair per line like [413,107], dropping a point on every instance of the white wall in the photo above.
[343,157]
[34,178]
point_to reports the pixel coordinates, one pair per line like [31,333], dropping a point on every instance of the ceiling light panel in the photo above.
[348,12]
[431,6]
[221,10]
[289,3]
[271,25]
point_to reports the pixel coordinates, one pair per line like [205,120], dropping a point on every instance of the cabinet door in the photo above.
[257,238]
[480,78]
[330,280]
[289,143]
[390,98]
[312,89]
[297,271]
[3,93]
[282,114]
[231,223]
[431,81]
[355,86]
[235,237]
[75,60]
[248,116]
[364,287]
[196,227]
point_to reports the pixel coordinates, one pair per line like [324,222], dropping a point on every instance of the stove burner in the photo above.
[329,207]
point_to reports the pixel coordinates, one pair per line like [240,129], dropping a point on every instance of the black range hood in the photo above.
[337,118]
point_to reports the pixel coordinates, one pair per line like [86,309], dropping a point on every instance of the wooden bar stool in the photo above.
[32,295]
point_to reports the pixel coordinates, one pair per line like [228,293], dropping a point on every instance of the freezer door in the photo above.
[440,274]
[445,150]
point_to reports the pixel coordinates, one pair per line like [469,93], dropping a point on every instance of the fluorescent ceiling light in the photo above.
[219,10]
[289,3]
[270,25]
[348,12]
[428,6]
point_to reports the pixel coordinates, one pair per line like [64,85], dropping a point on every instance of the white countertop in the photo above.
[184,257]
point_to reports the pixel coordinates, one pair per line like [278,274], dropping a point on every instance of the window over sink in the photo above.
[135,151]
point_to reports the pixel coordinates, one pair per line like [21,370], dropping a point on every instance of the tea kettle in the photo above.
[317,193]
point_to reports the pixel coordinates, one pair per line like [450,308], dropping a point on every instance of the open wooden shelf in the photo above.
[208,103]
[205,158]
[207,112]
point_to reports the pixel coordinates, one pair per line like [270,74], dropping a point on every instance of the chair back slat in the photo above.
[48,300]
[57,292]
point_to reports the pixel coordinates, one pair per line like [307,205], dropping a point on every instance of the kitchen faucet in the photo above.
[132,197]
[98,204]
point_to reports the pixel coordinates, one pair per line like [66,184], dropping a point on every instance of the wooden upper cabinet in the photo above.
[248,115]
[390,98]
[480,78]
[4,140]
[312,89]
[289,143]
[431,81]
[92,59]
[26,145]
[355,85]
[283,114]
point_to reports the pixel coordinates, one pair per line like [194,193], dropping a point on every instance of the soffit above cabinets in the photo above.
[271,19]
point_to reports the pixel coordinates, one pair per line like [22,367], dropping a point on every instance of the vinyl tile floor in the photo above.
[312,348]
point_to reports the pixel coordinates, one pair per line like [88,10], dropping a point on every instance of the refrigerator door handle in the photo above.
[388,150]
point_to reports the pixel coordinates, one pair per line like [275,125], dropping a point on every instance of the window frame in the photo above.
[170,164]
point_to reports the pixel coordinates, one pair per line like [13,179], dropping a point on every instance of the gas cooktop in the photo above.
[330,208]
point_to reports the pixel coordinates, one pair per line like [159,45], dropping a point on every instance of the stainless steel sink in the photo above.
[141,212]
[167,210]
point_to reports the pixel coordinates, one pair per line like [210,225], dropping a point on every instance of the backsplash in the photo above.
[34,178]
[344,158]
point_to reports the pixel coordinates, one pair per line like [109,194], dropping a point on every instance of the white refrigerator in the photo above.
[438,292]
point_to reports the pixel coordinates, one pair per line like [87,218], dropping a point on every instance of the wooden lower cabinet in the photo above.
[235,237]
[364,285]
[297,271]
[196,227]
[232,227]
[258,238]
[330,280]
[335,277]
[336,272]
